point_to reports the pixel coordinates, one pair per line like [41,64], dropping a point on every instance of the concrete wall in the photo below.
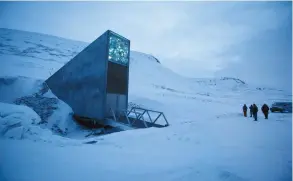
[118,102]
[81,83]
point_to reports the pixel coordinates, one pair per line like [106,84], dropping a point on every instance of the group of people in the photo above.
[253,109]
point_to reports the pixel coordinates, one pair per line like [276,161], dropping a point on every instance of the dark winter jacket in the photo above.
[265,108]
[255,109]
[250,108]
[244,108]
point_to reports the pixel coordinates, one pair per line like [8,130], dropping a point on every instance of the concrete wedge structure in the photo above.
[95,81]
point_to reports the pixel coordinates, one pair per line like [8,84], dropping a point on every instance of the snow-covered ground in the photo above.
[208,139]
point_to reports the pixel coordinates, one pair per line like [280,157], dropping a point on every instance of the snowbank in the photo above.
[55,114]
[16,121]
[37,105]
[13,87]
[21,122]
[33,93]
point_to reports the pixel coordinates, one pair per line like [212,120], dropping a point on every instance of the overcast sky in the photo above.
[248,40]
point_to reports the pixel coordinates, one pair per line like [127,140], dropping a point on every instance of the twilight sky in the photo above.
[248,40]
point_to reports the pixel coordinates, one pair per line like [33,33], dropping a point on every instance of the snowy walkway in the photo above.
[227,148]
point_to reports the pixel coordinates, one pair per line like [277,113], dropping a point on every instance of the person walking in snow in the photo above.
[265,110]
[254,112]
[250,110]
[244,110]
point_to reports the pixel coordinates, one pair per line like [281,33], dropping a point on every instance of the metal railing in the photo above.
[139,114]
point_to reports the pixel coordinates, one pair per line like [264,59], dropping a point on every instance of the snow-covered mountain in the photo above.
[208,138]
[37,56]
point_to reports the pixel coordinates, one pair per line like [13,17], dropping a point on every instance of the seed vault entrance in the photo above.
[95,82]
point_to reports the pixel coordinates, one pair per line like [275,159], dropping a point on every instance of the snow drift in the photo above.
[17,121]
[53,113]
